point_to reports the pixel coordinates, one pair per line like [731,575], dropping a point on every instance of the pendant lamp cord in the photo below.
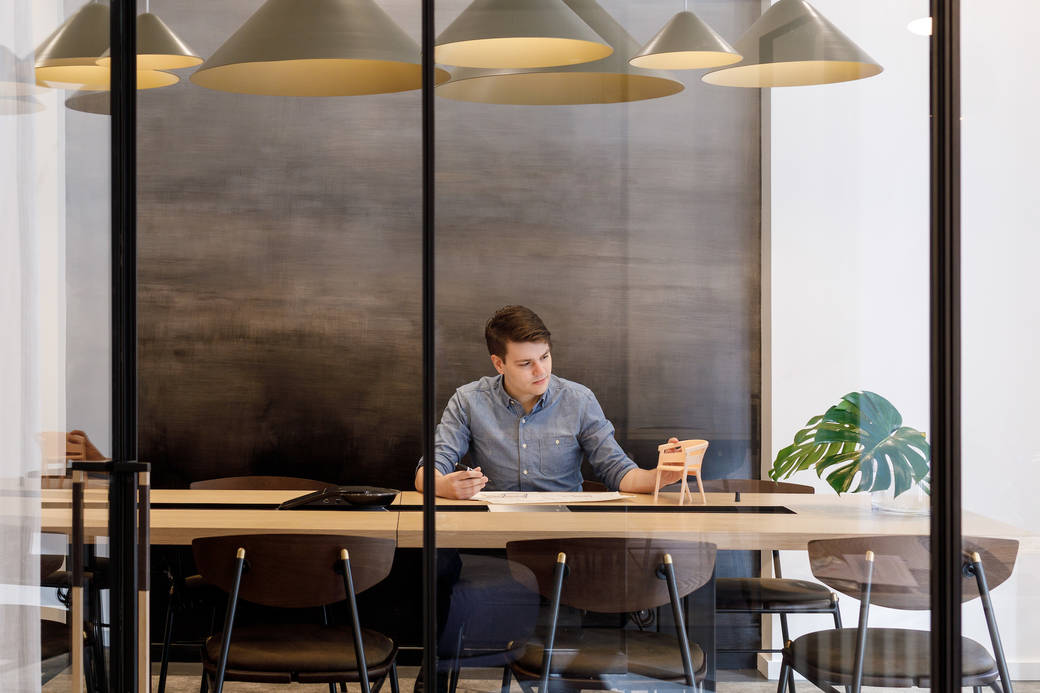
[685,5]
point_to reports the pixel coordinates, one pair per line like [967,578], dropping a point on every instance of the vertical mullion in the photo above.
[428,355]
[945,346]
[123,486]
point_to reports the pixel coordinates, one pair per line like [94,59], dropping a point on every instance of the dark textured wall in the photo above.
[280,262]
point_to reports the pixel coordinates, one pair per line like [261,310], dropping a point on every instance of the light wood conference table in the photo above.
[178,516]
[756,522]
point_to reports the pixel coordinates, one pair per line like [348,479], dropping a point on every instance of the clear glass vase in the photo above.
[913,501]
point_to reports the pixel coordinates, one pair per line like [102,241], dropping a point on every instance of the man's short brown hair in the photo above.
[514,324]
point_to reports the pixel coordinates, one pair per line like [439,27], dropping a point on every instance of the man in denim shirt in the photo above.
[526,429]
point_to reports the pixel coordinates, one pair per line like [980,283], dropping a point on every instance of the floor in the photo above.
[184,678]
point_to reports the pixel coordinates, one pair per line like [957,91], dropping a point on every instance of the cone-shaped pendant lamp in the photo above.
[316,48]
[146,79]
[69,55]
[611,80]
[158,48]
[96,102]
[685,43]
[517,34]
[794,45]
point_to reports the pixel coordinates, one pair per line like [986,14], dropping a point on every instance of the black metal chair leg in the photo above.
[453,680]
[506,676]
[229,621]
[97,638]
[837,626]
[394,685]
[976,689]
[167,638]
[204,686]
[343,686]
[786,635]
[781,686]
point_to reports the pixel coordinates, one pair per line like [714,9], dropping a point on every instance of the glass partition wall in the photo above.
[999,320]
[609,247]
[57,354]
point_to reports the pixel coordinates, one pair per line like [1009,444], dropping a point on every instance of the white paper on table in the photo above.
[524,497]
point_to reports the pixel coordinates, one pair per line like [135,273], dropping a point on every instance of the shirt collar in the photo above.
[508,401]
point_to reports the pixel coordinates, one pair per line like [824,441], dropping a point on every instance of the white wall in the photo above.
[847,253]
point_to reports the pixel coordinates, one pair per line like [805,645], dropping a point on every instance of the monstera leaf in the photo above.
[862,435]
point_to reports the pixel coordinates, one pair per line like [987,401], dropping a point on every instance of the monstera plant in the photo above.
[859,444]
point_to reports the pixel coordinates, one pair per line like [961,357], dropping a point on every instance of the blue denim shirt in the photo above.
[540,451]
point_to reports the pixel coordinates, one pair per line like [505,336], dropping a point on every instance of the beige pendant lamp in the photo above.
[792,44]
[68,57]
[610,80]
[685,43]
[158,48]
[316,48]
[518,34]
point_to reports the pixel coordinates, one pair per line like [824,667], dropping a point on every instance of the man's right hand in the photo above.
[459,485]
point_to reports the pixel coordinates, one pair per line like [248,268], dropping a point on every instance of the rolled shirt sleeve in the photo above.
[600,447]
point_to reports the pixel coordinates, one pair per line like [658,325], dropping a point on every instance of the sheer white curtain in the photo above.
[32,327]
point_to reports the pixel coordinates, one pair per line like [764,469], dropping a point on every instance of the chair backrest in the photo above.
[902,567]
[50,564]
[754,486]
[293,570]
[615,575]
[260,483]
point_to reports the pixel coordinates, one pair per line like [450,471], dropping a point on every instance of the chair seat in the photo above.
[893,657]
[55,639]
[771,593]
[592,652]
[300,648]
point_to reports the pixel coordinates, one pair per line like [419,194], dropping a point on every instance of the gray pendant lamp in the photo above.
[686,43]
[96,102]
[610,80]
[158,48]
[792,44]
[517,34]
[316,48]
[69,55]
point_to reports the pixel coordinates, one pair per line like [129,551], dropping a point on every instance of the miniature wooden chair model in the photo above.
[684,456]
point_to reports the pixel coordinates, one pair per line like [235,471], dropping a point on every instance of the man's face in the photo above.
[526,368]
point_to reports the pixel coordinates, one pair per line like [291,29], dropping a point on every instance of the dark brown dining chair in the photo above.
[192,590]
[769,595]
[612,575]
[894,572]
[296,571]
[259,483]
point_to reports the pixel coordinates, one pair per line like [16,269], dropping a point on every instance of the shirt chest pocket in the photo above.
[559,456]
